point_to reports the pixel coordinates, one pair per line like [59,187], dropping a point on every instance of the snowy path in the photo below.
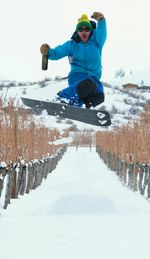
[82,211]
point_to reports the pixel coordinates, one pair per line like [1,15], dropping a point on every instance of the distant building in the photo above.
[129,86]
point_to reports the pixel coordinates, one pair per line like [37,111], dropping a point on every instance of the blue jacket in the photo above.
[84,58]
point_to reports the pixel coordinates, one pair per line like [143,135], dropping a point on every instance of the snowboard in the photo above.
[63,110]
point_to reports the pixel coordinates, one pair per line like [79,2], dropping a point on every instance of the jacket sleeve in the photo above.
[101,32]
[60,51]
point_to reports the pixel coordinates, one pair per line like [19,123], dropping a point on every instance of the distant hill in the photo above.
[141,78]
[123,105]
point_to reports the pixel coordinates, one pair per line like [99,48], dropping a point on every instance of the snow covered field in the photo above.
[122,105]
[81,211]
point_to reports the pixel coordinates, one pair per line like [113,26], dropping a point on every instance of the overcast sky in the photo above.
[26,24]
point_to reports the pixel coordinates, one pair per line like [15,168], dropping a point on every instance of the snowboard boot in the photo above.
[85,89]
[94,100]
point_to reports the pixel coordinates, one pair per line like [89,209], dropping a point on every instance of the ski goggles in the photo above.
[86,29]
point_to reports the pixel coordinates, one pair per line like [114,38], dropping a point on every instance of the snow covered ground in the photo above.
[122,105]
[139,77]
[82,211]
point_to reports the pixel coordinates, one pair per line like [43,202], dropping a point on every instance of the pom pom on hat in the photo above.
[83,21]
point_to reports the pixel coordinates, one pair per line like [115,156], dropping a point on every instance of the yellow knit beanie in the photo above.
[83,21]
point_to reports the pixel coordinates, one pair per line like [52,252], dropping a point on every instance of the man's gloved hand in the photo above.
[97,16]
[44,49]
